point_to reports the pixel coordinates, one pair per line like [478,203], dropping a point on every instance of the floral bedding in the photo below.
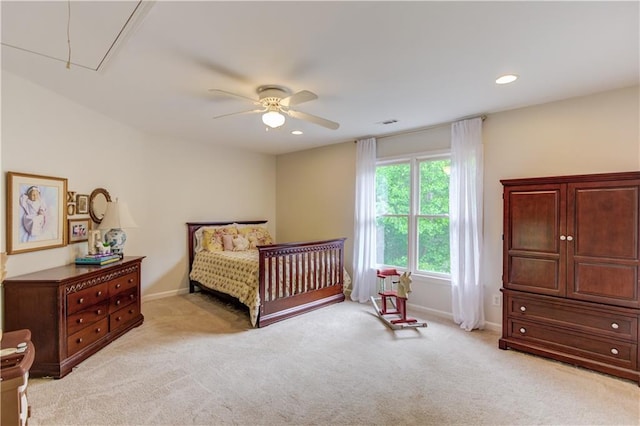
[231,272]
[236,273]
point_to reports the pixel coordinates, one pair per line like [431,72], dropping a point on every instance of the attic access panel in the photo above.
[95,28]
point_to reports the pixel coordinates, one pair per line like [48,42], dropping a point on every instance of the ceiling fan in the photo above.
[274,101]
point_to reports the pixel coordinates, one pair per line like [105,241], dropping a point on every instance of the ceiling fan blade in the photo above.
[240,112]
[313,119]
[298,98]
[224,92]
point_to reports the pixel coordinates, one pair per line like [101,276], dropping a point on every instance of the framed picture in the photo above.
[82,204]
[78,229]
[95,238]
[36,212]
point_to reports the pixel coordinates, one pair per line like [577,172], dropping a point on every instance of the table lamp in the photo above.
[116,217]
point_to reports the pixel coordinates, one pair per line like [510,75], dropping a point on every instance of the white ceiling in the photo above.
[150,64]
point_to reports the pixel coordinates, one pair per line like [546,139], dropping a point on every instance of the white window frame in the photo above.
[412,249]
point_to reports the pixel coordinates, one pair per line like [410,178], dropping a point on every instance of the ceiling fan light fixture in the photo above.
[273,119]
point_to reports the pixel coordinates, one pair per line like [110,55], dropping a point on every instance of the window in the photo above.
[412,209]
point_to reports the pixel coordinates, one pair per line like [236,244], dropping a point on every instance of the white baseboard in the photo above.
[441,314]
[448,315]
[164,294]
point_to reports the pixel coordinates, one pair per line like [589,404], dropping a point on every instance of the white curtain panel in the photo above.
[364,246]
[465,218]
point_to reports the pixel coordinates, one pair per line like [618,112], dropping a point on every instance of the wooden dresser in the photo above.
[73,311]
[570,277]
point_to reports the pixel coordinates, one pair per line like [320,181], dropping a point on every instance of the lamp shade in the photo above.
[117,216]
[273,119]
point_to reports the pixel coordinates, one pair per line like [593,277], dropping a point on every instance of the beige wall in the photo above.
[165,182]
[591,134]
[315,193]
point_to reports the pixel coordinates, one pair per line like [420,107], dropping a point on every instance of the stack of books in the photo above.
[97,259]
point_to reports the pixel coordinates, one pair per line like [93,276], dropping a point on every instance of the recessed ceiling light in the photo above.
[507,78]
[296,132]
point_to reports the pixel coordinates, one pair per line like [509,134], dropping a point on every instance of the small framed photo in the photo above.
[95,238]
[36,212]
[78,230]
[82,204]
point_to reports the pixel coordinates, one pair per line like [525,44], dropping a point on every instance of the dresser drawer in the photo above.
[80,320]
[610,351]
[123,299]
[87,336]
[123,283]
[123,316]
[572,315]
[81,300]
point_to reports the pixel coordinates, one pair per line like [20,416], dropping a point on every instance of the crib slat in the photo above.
[297,274]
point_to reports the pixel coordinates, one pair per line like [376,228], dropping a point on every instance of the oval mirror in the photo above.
[98,204]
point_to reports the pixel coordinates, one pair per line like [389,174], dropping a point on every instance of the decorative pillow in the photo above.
[256,235]
[212,237]
[227,242]
[240,243]
[198,236]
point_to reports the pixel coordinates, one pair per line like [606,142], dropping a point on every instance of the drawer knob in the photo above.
[523,308]
[98,330]
[132,296]
[569,238]
[614,351]
[99,311]
[562,237]
[615,325]
[99,294]
[117,302]
[79,340]
[80,320]
[118,285]
[523,330]
[131,311]
[130,280]
[118,319]
[80,301]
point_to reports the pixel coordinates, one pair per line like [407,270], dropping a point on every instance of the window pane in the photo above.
[433,245]
[393,189]
[434,187]
[392,240]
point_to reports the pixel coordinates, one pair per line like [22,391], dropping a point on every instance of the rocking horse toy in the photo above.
[396,296]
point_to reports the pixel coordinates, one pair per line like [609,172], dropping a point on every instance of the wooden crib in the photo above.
[292,278]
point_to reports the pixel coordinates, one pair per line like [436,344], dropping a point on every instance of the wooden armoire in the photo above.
[571,289]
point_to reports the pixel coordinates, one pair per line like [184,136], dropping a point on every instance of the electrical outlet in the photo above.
[496,300]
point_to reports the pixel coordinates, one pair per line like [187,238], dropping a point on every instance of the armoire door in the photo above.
[534,252]
[603,254]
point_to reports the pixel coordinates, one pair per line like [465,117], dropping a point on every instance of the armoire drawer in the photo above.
[610,351]
[566,313]
[123,283]
[79,320]
[123,317]
[81,300]
[87,336]
[123,299]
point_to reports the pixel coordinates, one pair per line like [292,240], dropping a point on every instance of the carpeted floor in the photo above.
[197,361]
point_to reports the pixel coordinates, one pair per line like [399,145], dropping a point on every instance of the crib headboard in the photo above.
[192,227]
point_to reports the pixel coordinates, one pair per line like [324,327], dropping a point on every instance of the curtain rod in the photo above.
[422,129]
